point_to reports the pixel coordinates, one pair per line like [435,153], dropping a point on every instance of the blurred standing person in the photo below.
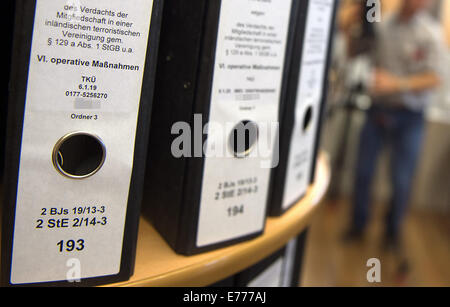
[406,70]
[347,96]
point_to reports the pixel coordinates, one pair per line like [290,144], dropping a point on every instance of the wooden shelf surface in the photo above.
[157,265]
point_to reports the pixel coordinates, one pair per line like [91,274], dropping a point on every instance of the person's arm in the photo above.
[422,82]
[387,83]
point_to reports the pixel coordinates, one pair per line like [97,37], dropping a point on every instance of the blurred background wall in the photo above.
[330,261]
[446,17]
[432,182]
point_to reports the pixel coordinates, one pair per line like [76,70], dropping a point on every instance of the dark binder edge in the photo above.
[23,26]
[165,186]
[8,24]
[195,166]
[141,143]
[299,258]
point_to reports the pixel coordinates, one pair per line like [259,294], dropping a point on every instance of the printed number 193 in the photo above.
[70,245]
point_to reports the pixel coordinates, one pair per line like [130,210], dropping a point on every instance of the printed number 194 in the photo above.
[236,210]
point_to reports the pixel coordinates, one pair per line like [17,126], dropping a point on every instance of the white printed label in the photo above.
[270,277]
[86,71]
[249,64]
[281,272]
[309,98]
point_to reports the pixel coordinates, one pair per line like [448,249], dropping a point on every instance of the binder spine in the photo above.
[235,180]
[323,106]
[191,54]
[62,212]
[165,202]
[278,176]
[306,101]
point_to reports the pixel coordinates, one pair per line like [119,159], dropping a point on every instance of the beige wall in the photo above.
[392,5]
[446,19]
[389,6]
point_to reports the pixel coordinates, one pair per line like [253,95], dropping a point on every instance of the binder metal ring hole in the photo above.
[79,155]
[243,138]
[60,158]
[307,120]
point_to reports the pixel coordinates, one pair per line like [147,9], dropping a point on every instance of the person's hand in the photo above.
[386,83]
